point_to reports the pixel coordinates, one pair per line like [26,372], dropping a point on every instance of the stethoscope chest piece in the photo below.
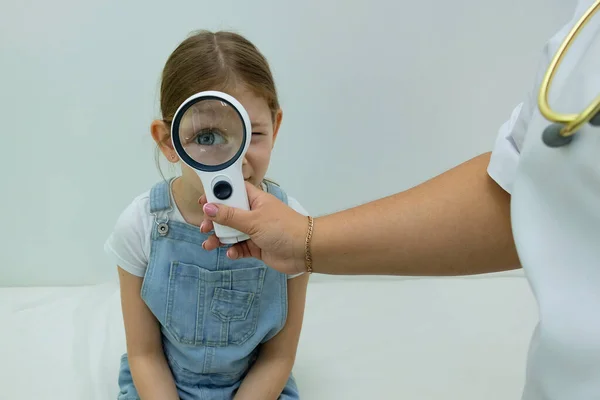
[595,121]
[552,137]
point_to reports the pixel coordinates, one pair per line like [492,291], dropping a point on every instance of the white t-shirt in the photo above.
[128,246]
[555,215]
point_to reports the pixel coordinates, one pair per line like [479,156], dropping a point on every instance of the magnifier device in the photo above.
[211,133]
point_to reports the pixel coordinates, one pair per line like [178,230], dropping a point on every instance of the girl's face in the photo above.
[258,156]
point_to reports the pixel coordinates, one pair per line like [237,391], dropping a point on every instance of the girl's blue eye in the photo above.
[210,137]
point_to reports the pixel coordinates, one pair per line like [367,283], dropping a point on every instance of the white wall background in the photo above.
[383,92]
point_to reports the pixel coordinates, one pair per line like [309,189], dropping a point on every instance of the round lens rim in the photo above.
[179,147]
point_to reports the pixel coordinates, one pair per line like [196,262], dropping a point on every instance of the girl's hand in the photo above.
[277,232]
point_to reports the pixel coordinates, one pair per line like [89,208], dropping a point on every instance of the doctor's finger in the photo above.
[244,249]
[211,243]
[206,226]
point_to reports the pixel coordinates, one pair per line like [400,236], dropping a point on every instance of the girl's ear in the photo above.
[161,135]
[277,124]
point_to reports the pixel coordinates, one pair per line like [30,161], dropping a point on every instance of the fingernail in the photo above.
[230,254]
[201,226]
[210,210]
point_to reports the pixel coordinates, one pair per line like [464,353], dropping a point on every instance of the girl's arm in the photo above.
[269,374]
[151,374]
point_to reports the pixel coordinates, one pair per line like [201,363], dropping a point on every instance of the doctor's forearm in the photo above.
[457,223]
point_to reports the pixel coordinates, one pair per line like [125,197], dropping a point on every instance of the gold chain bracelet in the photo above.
[307,252]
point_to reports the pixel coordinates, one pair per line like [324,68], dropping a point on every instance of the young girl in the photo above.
[198,325]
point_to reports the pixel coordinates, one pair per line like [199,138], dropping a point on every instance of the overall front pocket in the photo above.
[213,308]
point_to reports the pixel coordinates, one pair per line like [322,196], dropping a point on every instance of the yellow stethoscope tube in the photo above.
[566,125]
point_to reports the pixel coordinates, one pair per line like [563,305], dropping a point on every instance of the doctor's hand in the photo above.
[277,232]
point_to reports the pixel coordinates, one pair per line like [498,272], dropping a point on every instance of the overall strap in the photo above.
[276,190]
[160,197]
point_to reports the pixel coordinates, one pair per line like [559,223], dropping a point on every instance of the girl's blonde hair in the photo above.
[214,61]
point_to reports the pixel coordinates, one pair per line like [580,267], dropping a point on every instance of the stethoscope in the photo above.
[565,126]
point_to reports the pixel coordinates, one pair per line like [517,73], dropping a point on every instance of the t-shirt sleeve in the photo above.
[295,204]
[128,245]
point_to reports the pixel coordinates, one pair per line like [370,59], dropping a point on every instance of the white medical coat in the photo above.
[555,211]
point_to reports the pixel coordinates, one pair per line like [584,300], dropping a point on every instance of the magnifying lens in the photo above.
[211,133]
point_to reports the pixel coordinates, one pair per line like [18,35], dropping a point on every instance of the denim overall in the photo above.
[214,312]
